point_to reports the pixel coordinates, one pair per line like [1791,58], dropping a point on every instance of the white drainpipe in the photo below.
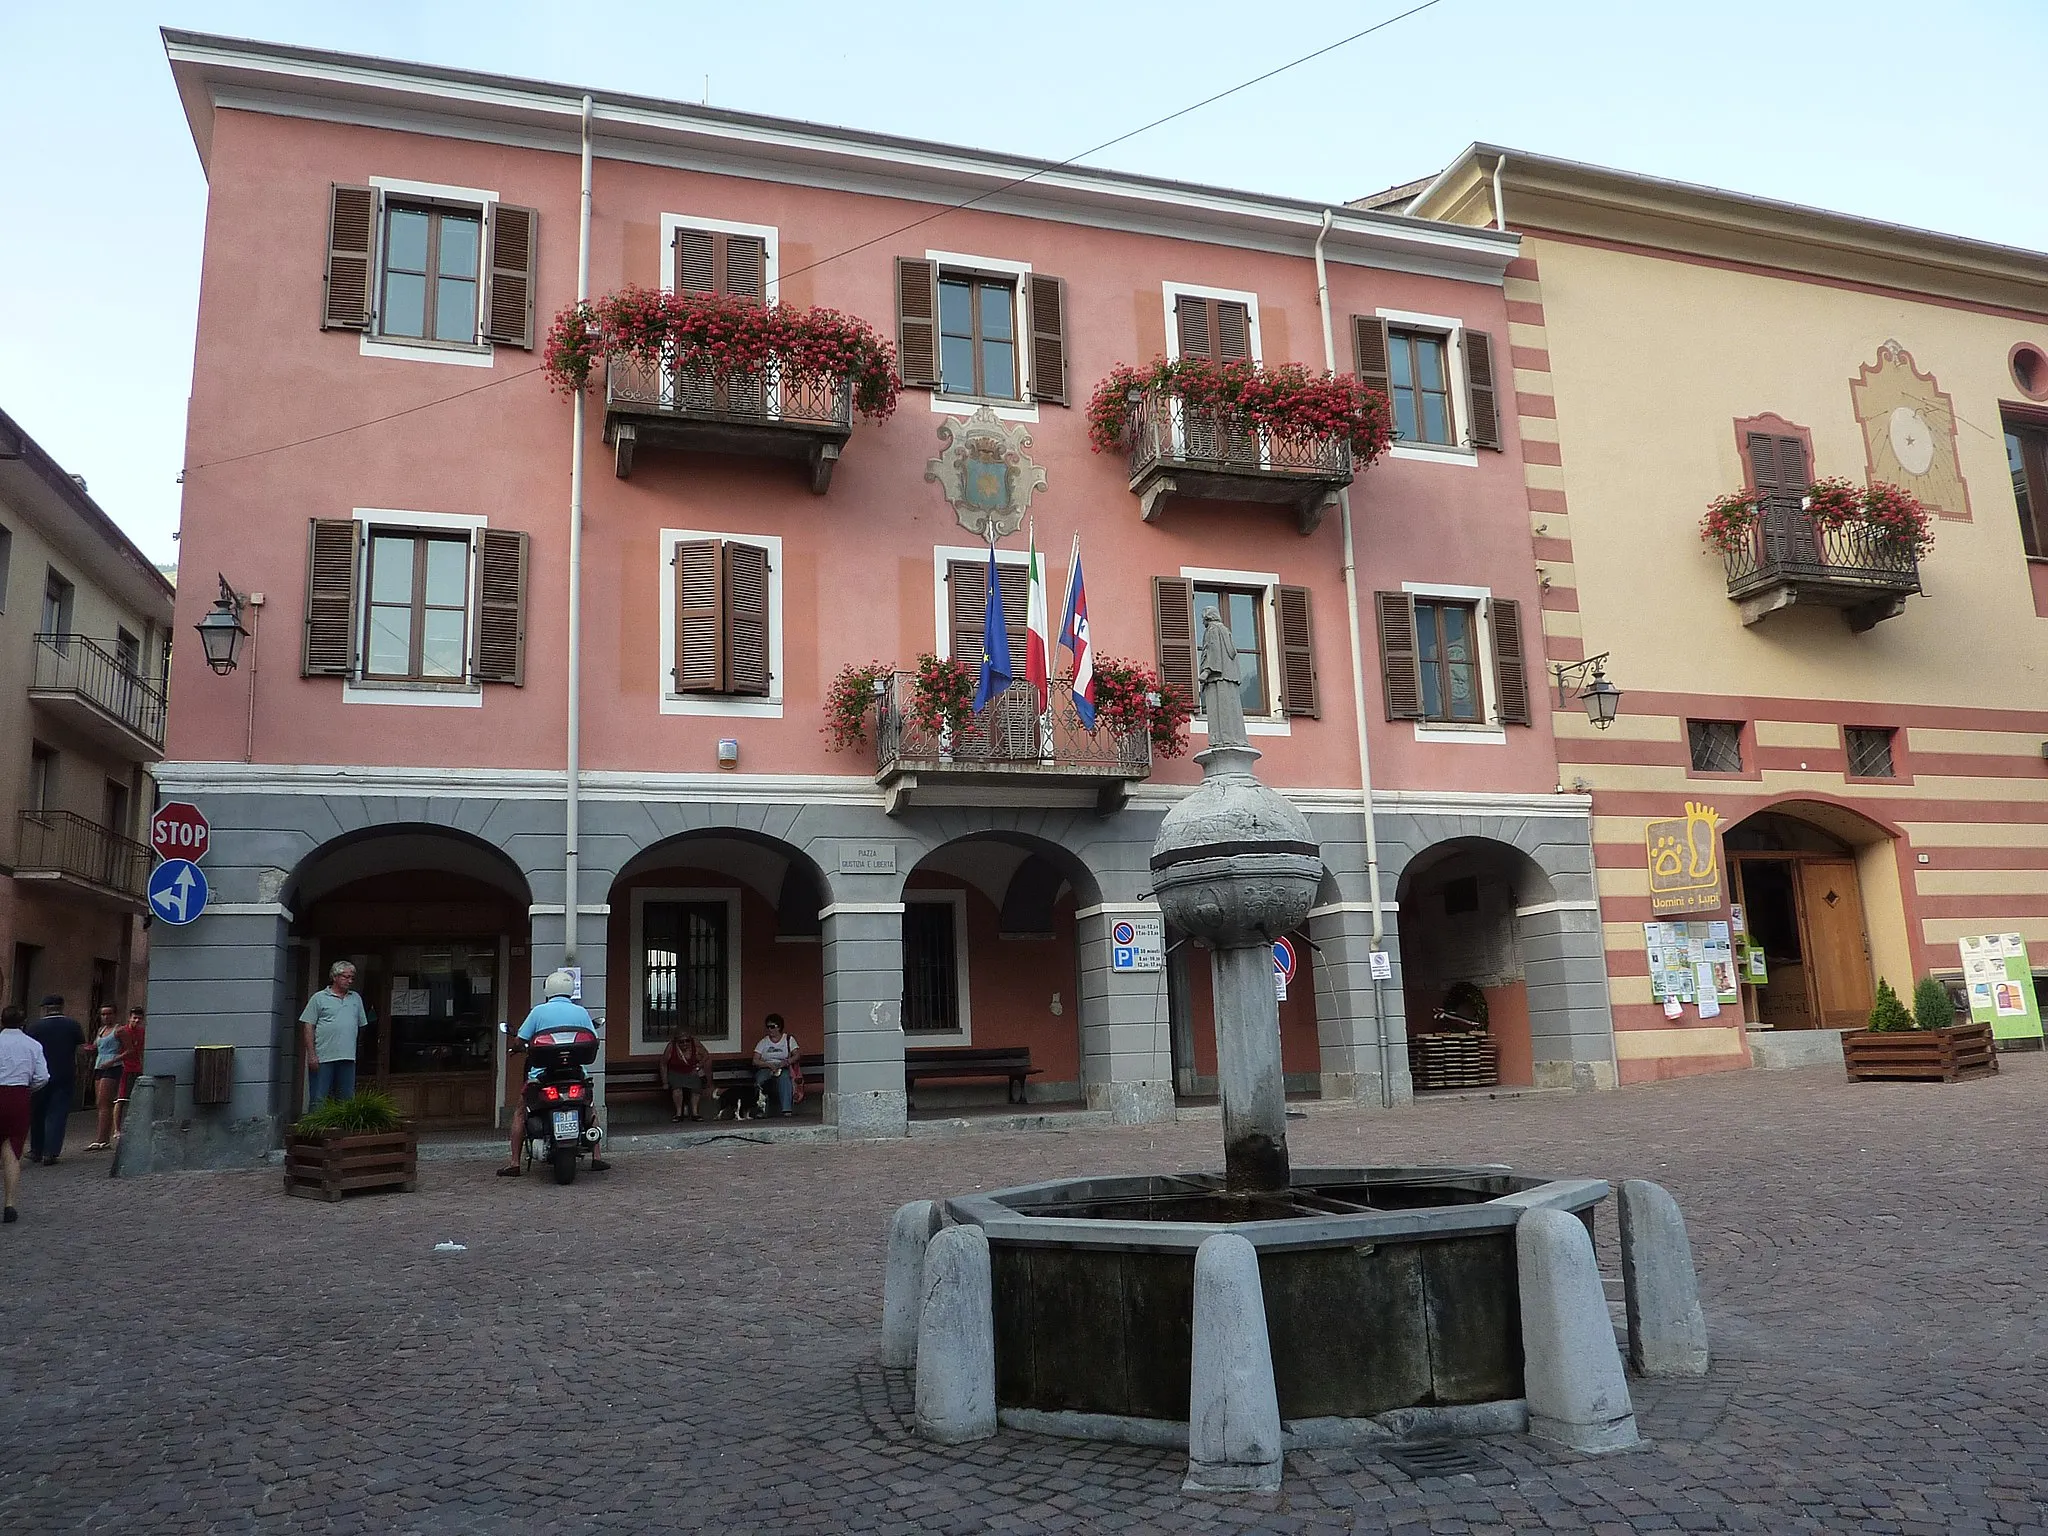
[572,801]
[1372,836]
[1500,207]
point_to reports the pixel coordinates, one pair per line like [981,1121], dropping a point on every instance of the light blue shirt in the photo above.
[555,1013]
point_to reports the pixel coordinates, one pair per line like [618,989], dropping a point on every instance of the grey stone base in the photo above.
[1780,1050]
[1363,1089]
[1507,1417]
[150,1142]
[878,1113]
[1140,1103]
[1581,1076]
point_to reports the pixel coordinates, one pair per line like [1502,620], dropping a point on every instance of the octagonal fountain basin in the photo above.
[1385,1289]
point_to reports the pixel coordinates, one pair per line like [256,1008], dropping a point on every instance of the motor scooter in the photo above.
[561,1111]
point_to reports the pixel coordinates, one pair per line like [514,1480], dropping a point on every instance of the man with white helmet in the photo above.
[558,1010]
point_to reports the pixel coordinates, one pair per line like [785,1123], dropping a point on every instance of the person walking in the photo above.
[22,1071]
[60,1037]
[131,1064]
[327,1031]
[106,1078]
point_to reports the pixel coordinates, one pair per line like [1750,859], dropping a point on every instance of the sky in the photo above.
[1915,111]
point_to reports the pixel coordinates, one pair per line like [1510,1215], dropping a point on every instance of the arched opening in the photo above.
[1465,961]
[1817,889]
[435,922]
[710,932]
[992,975]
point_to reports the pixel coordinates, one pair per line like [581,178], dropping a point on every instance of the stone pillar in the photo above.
[1347,1030]
[1667,1332]
[1126,1041]
[1571,1370]
[956,1340]
[910,1231]
[1233,1406]
[1248,1068]
[1564,963]
[863,955]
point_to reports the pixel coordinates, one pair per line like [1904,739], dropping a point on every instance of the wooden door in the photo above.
[1837,952]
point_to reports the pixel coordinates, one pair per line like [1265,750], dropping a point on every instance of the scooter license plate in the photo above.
[567,1127]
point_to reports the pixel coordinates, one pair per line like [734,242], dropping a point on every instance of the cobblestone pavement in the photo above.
[690,1341]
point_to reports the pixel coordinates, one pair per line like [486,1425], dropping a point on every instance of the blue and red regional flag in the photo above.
[995,642]
[1074,636]
[1037,633]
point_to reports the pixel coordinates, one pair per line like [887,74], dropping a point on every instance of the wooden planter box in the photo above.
[338,1163]
[1922,1055]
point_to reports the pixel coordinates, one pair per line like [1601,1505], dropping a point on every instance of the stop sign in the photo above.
[178,831]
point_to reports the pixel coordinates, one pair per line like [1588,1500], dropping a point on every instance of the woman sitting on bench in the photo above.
[778,1065]
[686,1073]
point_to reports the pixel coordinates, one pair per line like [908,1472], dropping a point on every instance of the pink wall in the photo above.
[1300,1050]
[858,562]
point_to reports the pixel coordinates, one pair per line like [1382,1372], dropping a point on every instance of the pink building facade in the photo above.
[375,449]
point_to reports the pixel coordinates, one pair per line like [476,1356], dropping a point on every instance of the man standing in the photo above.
[22,1071]
[327,1036]
[50,1111]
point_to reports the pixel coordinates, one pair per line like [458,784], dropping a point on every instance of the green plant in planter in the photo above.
[367,1113]
[1888,1014]
[1932,1007]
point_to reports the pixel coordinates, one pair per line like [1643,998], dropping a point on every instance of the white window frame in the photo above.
[1275,722]
[479,354]
[735,1011]
[1025,408]
[769,234]
[744,707]
[942,608]
[964,1035]
[1489,732]
[466,694]
[1460,449]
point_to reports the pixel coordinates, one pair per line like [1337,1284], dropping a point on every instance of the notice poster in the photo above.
[1720,959]
[1710,1001]
[411,1003]
[1755,971]
[1999,980]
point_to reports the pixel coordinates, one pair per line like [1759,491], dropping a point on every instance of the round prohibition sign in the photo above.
[1123,933]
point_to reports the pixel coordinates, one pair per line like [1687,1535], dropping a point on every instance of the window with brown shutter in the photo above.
[328,645]
[699,665]
[1298,691]
[1482,416]
[1369,347]
[1400,670]
[1218,328]
[967,605]
[714,261]
[508,305]
[746,619]
[917,322]
[1778,466]
[1173,628]
[1510,670]
[351,237]
[723,609]
[501,607]
[1048,297]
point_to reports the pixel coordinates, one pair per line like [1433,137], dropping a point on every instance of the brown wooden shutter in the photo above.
[1197,326]
[966,606]
[1370,348]
[1400,672]
[743,266]
[917,322]
[508,309]
[1233,330]
[351,237]
[700,617]
[1173,627]
[746,619]
[501,607]
[696,261]
[1793,473]
[1048,300]
[1298,691]
[1482,399]
[329,645]
[1510,670]
[1015,582]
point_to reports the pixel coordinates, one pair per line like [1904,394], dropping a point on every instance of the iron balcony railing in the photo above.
[62,843]
[1166,430]
[75,665]
[1010,733]
[770,396]
[1785,546]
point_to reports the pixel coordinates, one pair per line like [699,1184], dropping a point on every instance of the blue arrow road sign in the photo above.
[177,891]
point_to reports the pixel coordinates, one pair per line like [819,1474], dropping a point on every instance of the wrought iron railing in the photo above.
[74,664]
[64,843]
[1786,545]
[768,396]
[1165,429]
[1009,732]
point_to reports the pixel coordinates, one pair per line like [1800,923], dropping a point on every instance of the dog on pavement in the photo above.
[741,1103]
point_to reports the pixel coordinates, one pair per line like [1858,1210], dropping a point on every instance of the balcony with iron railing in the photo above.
[1785,559]
[767,412]
[1008,754]
[100,695]
[1179,449]
[65,850]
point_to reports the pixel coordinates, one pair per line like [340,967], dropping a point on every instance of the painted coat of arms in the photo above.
[985,474]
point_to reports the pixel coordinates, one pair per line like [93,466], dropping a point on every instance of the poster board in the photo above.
[1999,981]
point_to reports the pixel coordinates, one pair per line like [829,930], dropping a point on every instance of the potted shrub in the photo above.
[1925,1045]
[850,701]
[352,1144]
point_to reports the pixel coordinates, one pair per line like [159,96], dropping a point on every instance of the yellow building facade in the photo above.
[1847,743]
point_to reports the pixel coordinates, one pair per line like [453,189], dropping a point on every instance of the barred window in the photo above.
[1870,752]
[1716,745]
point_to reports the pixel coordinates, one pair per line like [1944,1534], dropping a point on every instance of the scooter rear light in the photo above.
[573,1091]
[551,1093]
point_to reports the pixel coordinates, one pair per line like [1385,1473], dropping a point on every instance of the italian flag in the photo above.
[1038,641]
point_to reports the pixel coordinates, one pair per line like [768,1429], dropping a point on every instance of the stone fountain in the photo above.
[1268,1307]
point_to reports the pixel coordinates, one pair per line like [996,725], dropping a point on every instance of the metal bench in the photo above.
[1010,1062]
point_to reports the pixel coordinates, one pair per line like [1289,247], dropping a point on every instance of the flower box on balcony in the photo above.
[1837,546]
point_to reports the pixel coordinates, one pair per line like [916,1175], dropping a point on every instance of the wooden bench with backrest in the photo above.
[1010,1062]
[640,1078]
